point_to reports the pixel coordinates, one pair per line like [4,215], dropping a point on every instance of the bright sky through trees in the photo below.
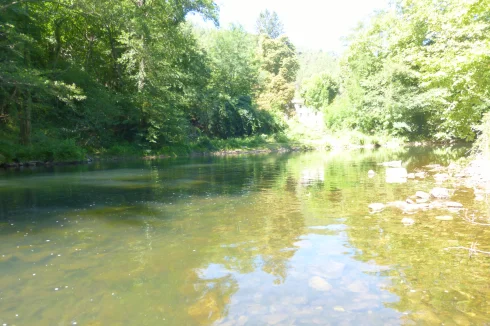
[313,24]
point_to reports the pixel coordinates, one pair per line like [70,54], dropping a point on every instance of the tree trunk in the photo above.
[57,37]
[115,65]
[25,119]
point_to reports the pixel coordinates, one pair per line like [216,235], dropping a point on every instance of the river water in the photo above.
[282,239]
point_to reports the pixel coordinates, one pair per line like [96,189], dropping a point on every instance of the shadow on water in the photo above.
[276,239]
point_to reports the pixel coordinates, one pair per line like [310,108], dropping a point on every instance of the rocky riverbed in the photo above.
[474,176]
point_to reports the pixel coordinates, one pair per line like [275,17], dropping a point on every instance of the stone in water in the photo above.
[319,284]
[454,204]
[440,193]
[376,207]
[444,218]
[396,175]
[422,195]
[408,221]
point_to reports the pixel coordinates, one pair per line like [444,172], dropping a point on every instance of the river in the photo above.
[278,239]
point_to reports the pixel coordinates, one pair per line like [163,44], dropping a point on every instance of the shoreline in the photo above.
[231,152]
[228,152]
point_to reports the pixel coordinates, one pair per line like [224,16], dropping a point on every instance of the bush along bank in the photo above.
[68,152]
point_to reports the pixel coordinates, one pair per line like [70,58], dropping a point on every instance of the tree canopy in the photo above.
[98,74]
[419,69]
[268,23]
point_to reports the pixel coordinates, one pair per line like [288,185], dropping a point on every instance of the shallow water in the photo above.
[254,240]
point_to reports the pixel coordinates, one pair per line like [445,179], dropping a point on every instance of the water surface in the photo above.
[254,240]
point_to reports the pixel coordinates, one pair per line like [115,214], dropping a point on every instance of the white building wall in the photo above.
[308,116]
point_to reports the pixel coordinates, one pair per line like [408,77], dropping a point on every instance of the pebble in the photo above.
[376,207]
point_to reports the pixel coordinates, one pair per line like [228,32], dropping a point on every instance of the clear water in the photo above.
[254,240]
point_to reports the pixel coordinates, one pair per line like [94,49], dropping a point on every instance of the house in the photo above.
[308,116]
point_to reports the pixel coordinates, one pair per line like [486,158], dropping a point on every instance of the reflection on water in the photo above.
[259,240]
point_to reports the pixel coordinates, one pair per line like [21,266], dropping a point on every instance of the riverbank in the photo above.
[178,151]
[297,138]
[54,152]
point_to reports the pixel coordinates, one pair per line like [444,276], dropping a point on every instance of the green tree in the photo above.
[278,68]
[320,91]
[268,23]
[419,70]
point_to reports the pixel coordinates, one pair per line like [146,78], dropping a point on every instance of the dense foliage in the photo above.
[419,69]
[320,90]
[99,74]
[88,75]
[316,62]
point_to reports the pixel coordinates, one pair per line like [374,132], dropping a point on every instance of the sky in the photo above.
[310,24]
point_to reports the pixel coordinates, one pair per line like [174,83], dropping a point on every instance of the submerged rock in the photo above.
[422,195]
[453,166]
[420,175]
[454,204]
[376,207]
[479,198]
[444,218]
[408,207]
[440,193]
[396,175]
[358,287]
[275,319]
[441,177]
[408,221]
[396,172]
[320,284]
[437,205]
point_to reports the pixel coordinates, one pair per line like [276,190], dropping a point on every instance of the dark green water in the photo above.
[257,240]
